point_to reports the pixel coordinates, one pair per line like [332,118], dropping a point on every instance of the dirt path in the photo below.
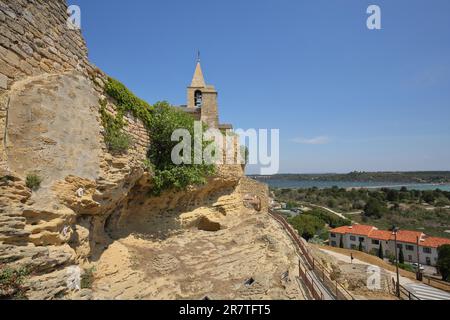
[340,215]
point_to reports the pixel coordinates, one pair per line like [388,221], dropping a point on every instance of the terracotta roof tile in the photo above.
[434,242]
[405,236]
[408,236]
[357,229]
[381,235]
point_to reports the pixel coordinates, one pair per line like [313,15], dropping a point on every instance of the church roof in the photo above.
[198,81]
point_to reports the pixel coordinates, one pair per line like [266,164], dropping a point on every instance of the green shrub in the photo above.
[148,166]
[87,279]
[117,141]
[331,219]
[307,226]
[443,263]
[164,122]
[401,257]
[127,101]
[161,120]
[406,267]
[11,283]
[374,208]
[33,181]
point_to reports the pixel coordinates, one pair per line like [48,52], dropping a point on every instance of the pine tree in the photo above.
[380,251]
[401,257]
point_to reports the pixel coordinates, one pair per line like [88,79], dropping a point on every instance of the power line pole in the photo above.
[397,286]
[419,276]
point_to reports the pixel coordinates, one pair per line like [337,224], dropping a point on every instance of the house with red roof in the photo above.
[415,245]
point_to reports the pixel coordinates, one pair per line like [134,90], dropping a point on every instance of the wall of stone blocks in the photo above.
[35,39]
[209,110]
[136,129]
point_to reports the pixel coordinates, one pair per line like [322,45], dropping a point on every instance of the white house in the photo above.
[415,245]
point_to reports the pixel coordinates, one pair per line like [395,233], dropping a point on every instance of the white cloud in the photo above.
[312,141]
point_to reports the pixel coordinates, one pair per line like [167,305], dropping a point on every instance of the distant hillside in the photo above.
[404,177]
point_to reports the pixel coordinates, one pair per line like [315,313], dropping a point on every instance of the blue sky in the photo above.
[344,97]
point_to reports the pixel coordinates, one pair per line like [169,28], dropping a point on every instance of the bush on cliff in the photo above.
[165,120]
[33,181]
[11,282]
[161,120]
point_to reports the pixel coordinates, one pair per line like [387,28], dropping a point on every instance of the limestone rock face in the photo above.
[207,225]
[91,231]
[53,127]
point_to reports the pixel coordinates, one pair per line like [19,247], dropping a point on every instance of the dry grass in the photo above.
[368,258]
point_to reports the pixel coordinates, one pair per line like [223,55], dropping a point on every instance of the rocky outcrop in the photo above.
[193,264]
[207,225]
[93,210]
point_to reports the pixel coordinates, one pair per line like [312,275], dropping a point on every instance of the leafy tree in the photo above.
[428,196]
[392,195]
[380,251]
[290,205]
[332,203]
[306,225]
[324,234]
[331,219]
[161,120]
[374,208]
[401,256]
[443,262]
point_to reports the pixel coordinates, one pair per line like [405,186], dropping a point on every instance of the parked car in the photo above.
[418,265]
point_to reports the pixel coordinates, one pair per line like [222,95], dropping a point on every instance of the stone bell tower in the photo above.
[203,97]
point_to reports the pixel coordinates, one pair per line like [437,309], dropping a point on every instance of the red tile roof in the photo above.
[434,242]
[404,236]
[383,235]
[357,229]
[408,236]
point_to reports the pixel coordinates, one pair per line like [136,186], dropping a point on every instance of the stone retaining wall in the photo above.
[35,38]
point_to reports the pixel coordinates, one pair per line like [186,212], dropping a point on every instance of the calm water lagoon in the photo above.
[305,184]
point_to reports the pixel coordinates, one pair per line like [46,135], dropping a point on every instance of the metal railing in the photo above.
[405,294]
[308,280]
[439,284]
[337,290]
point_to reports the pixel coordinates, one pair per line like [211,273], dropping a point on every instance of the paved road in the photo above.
[421,290]
[424,292]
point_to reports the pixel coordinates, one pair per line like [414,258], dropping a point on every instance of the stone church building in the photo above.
[202,101]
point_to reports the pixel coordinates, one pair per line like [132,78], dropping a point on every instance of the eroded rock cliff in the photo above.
[92,230]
